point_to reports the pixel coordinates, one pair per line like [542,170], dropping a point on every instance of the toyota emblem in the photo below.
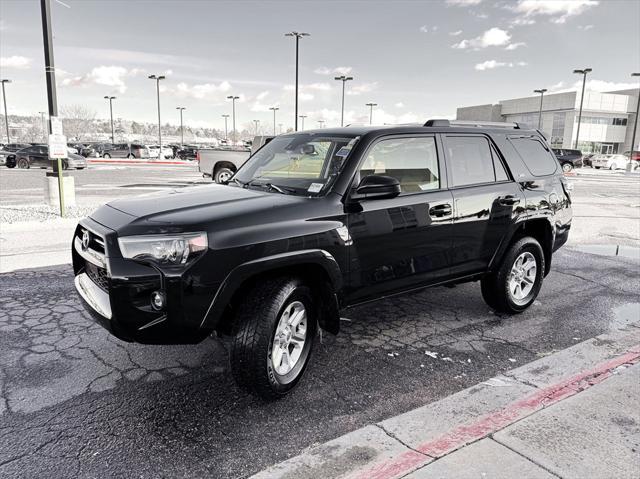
[85,240]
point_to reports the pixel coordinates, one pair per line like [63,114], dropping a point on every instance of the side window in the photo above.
[413,161]
[538,159]
[469,160]
[501,173]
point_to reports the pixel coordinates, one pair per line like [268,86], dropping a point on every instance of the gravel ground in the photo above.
[41,213]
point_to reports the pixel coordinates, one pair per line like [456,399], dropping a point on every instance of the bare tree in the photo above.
[77,121]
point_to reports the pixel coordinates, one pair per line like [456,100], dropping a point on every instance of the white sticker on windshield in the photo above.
[343,152]
[315,187]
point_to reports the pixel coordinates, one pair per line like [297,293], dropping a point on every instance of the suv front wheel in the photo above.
[273,337]
[516,284]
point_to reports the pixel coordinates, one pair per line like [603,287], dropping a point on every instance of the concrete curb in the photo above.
[400,445]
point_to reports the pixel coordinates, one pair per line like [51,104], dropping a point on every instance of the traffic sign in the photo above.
[57,146]
[56,126]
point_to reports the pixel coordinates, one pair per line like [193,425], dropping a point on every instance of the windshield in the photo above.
[303,163]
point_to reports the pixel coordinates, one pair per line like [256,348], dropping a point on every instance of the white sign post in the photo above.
[57,146]
[56,125]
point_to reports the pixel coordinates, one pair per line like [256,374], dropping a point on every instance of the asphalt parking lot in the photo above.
[76,402]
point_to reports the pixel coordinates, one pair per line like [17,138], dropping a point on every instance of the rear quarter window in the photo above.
[537,158]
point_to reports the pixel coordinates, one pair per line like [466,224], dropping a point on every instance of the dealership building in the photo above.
[606,126]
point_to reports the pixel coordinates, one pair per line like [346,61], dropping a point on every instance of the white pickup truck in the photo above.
[221,163]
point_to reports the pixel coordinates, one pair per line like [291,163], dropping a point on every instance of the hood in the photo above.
[197,204]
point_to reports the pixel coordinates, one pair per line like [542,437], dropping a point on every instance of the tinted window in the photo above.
[413,161]
[535,156]
[501,173]
[470,160]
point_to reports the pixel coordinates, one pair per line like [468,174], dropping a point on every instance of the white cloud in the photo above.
[361,88]
[399,105]
[262,95]
[463,3]
[333,71]
[424,29]
[111,76]
[456,33]
[305,96]
[585,27]
[494,37]
[308,86]
[594,85]
[523,21]
[204,90]
[514,46]
[491,64]
[558,10]
[15,61]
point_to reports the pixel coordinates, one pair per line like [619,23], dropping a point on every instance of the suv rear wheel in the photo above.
[516,284]
[106,155]
[566,167]
[273,337]
[23,163]
[222,174]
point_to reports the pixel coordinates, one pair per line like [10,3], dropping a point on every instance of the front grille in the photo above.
[98,275]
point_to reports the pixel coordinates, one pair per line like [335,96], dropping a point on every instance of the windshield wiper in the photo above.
[269,186]
[241,183]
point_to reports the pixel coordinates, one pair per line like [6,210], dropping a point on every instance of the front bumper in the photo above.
[117,292]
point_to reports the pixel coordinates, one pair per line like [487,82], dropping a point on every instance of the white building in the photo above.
[606,126]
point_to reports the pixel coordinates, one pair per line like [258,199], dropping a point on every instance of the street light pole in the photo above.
[344,80]
[371,105]
[233,111]
[302,117]
[635,123]
[4,102]
[44,128]
[542,92]
[321,123]
[157,79]
[111,98]
[274,109]
[257,123]
[226,132]
[181,108]
[584,82]
[298,35]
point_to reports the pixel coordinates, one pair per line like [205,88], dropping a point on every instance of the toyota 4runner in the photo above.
[317,221]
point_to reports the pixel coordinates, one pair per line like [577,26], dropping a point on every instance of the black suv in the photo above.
[569,159]
[321,220]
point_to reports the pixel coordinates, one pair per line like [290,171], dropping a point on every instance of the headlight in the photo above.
[164,249]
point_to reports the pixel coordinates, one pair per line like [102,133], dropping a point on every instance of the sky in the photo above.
[415,59]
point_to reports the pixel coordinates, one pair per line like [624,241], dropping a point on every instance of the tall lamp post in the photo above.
[111,98]
[321,123]
[542,91]
[298,36]
[233,112]
[302,117]
[4,102]
[226,130]
[181,108]
[157,79]
[257,124]
[635,124]
[274,109]
[344,80]
[371,105]
[584,82]
[44,127]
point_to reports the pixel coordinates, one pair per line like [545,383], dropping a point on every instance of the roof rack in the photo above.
[476,124]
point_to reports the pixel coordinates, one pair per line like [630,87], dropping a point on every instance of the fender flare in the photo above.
[249,269]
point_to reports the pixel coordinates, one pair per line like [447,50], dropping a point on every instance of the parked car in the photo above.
[586,159]
[167,152]
[636,155]
[317,221]
[612,162]
[126,150]
[569,159]
[37,156]
[188,152]
[153,150]
[3,156]
[13,147]
[220,164]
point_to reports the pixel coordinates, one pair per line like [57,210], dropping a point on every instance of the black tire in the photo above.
[495,286]
[11,164]
[567,167]
[107,156]
[597,167]
[222,174]
[23,164]
[65,165]
[254,332]
[131,156]
[613,167]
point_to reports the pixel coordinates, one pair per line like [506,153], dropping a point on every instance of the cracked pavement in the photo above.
[76,402]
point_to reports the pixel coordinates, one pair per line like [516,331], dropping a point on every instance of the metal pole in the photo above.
[257,122]
[226,131]
[274,121]
[44,127]
[584,82]
[342,113]
[113,139]
[6,117]
[302,117]
[159,123]
[296,112]
[635,122]
[233,107]
[540,111]
[50,75]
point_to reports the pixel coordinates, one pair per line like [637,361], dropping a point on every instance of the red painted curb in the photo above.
[493,422]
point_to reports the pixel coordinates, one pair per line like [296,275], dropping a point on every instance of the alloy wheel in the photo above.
[289,339]
[522,277]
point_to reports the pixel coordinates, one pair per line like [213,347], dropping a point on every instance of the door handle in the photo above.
[508,200]
[440,210]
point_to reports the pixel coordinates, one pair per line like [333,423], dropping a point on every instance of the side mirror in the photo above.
[377,187]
